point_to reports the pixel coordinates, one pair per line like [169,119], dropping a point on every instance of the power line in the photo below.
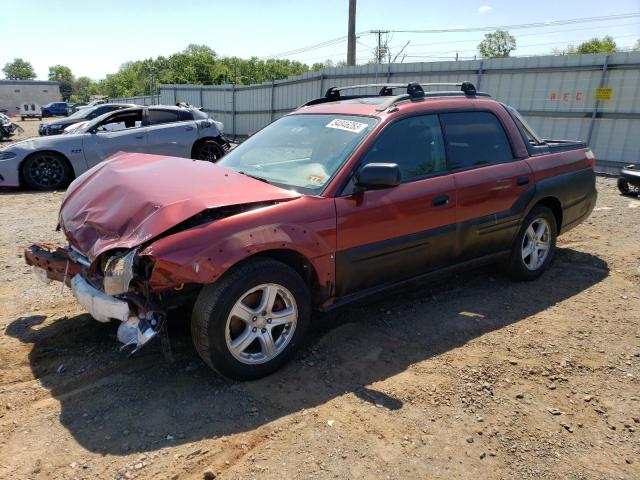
[550,23]
[450,42]
[429,54]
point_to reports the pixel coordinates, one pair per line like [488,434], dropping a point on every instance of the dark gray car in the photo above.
[57,126]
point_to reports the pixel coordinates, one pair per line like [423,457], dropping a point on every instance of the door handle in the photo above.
[522,180]
[139,137]
[188,129]
[440,200]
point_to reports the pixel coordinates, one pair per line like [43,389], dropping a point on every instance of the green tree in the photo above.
[63,75]
[19,69]
[498,44]
[83,88]
[636,47]
[596,45]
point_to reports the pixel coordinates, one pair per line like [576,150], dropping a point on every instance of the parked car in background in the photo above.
[30,110]
[93,103]
[55,109]
[51,162]
[335,201]
[58,126]
[77,106]
[629,180]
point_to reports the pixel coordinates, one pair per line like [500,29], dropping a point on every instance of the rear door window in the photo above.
[157,117]
[474,139]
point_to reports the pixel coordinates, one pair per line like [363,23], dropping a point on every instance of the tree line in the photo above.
[201,65]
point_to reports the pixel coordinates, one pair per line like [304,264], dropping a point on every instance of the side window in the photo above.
[474,138]
[414,143]
[121,121]
[157,117]
[186,116]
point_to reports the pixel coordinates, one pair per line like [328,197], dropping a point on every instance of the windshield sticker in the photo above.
[347,125]
[317,179]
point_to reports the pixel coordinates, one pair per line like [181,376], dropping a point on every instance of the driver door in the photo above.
[392,234]
[123,131]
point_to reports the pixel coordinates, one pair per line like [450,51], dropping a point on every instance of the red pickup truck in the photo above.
[345,196]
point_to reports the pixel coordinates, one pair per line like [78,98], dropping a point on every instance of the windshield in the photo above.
[301,152]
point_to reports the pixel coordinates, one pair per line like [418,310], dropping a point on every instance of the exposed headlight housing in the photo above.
[118,273]
[6,155]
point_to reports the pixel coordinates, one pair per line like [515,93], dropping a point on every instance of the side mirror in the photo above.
[378,175]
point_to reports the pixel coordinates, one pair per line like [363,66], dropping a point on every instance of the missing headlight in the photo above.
[118,273]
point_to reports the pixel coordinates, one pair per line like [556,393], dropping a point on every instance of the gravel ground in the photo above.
[468,377]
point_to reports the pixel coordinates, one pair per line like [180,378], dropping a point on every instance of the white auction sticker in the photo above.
[348,125]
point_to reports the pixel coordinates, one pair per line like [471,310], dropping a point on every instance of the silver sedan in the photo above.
[49,163]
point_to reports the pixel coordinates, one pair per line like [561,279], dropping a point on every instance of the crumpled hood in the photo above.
[132,198]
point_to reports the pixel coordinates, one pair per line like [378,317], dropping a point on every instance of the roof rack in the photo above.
[414,91]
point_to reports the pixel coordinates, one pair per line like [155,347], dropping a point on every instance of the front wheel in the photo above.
[624,187]
[250,322]
[207,150]
[534,246]
[46,171]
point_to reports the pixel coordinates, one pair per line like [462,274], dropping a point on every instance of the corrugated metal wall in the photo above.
[555,93]
[140,100]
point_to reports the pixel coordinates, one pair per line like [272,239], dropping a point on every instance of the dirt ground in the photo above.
[467,377]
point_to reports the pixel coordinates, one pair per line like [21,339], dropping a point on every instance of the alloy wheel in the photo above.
[210,152]
[261,323]
[47,171]
[536,244]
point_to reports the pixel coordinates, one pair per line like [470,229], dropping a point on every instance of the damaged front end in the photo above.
[113,287]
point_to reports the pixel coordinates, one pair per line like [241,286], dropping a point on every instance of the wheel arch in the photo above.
[302,265]
[553,204]
[62,155]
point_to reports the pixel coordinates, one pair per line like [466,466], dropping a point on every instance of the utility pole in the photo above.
[351,41]
[379,54]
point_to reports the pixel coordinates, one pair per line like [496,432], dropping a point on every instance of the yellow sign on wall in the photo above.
[604,93]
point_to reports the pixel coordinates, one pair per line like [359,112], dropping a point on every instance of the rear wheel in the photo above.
[250,322]
[534,245]
[46,171]
[207,150]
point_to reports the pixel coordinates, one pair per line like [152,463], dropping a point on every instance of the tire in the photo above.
[524,267]
[46,171]
[208,150]
[214,328]
[623,186]
[22,118]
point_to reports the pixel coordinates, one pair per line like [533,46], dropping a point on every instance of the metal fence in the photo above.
[556,94]
[139,100]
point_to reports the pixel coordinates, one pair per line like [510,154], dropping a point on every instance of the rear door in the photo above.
[492,186]
[388,235]
[171,132]
[122,131]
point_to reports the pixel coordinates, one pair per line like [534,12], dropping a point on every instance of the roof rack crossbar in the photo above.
[414,91]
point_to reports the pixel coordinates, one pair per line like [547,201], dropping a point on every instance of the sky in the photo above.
[94,38]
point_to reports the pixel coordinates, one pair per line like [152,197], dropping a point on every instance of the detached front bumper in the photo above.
[141,321]
[101,306]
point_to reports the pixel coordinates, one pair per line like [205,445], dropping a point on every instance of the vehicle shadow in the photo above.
[117,405]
